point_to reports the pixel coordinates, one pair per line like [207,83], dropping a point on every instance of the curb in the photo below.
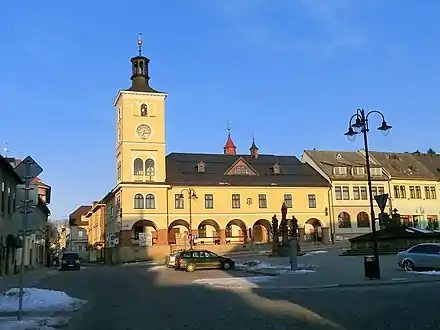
[351,285]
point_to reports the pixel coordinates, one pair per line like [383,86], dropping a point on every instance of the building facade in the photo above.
[414,187]
[77,240]
[349,197]
[215,199]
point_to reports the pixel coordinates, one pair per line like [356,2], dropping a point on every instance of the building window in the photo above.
[364,195]
[412,193]
[338,193]
[363,220]
[402,192]
[381,190]
[144,110]
[179,202]
[374,191]
[288,200]
[356,193]
[150,201]
[80,234]
[202,231]
[344,220]
[262,201]
[138,167]
[433,193]
[340,171]
[312,201]
[138,201]
[396,192]
[136,231]
[276,169]
[201,167]
[345,193]
[118,171]
[241,170]
[149,168]
[376,171]
[358,171]
[418,192]
[235,201]
[427,193]
[209,201]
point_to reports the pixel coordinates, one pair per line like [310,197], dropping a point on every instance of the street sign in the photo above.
[28,169]
[381,201]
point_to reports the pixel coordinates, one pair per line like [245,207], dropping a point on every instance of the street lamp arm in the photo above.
[350,122]
[375,111]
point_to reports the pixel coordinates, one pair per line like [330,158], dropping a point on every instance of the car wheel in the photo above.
[409,266]
[190,268]
[227,265]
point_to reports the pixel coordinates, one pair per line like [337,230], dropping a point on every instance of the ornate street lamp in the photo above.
[359,124]
[191,195]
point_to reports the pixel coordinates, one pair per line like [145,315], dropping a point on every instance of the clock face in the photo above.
[143,131]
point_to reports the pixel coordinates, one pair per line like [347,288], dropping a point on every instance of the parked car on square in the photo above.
[202,259]
[420,256]
[170,259]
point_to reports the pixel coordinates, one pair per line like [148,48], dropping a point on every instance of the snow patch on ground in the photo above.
[430,272]
[310,253]
[33,323]
[293,272]
[234,282]
[39,300]
[257,264]
[141,263]
[157,268]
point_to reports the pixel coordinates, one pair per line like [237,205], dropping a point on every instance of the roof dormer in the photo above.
[200,167]
[339,170]
[276,168]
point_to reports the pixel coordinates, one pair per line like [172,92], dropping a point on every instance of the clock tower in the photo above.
[140,128]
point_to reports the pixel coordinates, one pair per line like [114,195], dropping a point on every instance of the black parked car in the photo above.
[70,260]
[202,259]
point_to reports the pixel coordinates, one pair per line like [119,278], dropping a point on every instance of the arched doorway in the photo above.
[344,220]
[208,232]
[178,231]
[363,220]
[145,232]
[313,230]
[236,231]
[262,230]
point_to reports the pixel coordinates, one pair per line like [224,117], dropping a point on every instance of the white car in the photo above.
[170,259]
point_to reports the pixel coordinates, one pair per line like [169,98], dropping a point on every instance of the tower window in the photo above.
[138,167]
[144,110]
[149,168]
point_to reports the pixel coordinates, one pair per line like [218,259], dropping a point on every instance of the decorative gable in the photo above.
[200,167]
[240,167]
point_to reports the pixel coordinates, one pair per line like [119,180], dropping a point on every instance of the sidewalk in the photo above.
[329,271]
[31,277]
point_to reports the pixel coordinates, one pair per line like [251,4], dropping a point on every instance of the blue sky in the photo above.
[289,72]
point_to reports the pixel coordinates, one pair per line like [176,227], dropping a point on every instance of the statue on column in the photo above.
[275,228]
[295,232]
[283,225]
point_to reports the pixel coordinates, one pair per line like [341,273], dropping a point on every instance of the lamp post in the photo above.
[191,195]
[359,124]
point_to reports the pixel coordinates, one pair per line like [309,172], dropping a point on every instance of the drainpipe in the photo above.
[332,214]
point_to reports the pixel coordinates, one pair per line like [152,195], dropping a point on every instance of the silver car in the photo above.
[170,259]
[420,256]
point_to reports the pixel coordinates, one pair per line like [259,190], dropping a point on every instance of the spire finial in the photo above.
[140,43]
[229,126]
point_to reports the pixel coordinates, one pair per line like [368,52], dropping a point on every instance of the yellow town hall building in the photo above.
[223,199]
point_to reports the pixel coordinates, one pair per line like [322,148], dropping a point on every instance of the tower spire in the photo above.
[139,66]
[140,43]
[229,148]
[254,149]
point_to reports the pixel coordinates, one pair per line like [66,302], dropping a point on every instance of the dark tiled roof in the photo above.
[6,166]
[181,169]
[403,165]
[75,216]
[327,160]
[431,162]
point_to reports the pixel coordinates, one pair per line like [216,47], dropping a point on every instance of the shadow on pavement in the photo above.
[134,298]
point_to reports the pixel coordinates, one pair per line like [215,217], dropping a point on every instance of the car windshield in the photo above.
[70,256]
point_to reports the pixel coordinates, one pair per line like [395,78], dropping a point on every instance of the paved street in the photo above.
[138,297]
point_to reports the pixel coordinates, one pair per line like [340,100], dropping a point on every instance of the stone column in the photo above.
[301,234]
[326,235]
[162,237]
[222,236]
